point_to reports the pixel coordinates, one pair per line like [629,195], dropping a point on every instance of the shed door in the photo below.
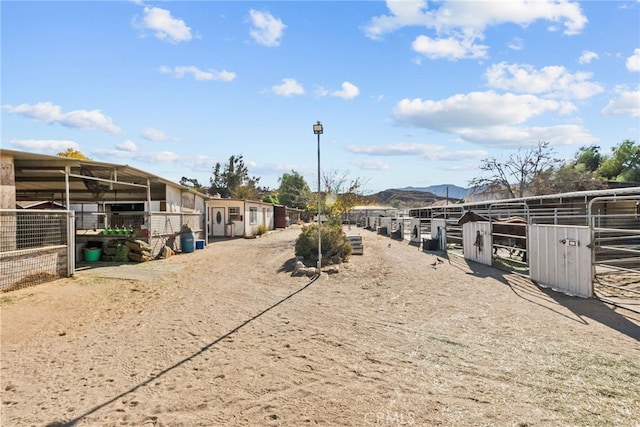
[217,220]
[561,258]
[476,242]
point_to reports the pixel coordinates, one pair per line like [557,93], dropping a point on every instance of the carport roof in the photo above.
[43,177]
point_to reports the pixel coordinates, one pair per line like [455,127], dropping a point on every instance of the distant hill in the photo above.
[455,192]
[402,198]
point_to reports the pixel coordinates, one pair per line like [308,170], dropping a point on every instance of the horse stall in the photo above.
[508,239]
[420,229]
[437,241]
[385,225]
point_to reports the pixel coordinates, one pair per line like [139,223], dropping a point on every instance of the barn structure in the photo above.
[100,202]
[578,243]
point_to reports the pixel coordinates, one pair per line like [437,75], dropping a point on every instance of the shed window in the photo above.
[234,214]
[253,215]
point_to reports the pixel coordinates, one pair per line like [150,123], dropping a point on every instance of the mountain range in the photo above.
[443,190]
[412,197]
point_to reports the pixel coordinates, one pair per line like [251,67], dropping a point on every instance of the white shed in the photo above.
[238,217]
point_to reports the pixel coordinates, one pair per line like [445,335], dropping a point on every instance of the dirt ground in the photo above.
[228,336]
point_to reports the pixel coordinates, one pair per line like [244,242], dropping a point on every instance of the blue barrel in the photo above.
[187,242]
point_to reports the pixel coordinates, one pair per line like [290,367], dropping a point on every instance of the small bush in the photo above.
[262,229]
[336,248]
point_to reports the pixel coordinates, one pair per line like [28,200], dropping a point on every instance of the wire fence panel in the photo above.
[615,225]
[35,247]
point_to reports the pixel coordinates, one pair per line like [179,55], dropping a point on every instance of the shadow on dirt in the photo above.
[210,346]
[584,309]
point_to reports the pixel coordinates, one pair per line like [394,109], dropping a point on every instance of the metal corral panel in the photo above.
[476,241]
[560,257]
[439,230]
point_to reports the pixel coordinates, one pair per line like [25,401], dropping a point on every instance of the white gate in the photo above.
[476,242]
[439,231]
[560,257]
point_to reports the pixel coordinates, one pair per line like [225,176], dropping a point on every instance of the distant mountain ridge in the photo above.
[411,197]
[454,191]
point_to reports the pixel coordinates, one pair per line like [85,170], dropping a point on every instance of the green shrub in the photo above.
[336,248]
[262,229]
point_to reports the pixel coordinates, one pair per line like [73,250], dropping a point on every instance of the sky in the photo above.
[409,92]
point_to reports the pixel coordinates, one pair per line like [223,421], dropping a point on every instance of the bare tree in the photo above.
[518,174]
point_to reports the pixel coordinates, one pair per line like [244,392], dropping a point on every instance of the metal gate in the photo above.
[560,257]
[615,228]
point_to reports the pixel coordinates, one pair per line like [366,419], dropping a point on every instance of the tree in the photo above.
[233,180]
[191,183]
[293,191]
[519,174]
[271,198]
[342,193]
[624,164]
[73,153]
[589,156]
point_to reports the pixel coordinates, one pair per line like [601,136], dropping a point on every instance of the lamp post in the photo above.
[317,129]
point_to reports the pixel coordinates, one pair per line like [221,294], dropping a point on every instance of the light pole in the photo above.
[317,129]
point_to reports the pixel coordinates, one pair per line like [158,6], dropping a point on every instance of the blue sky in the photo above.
[410,93]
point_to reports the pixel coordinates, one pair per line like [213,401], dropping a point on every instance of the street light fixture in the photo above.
[317,130]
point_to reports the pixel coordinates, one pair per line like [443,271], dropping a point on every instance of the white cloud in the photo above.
[474,110]
[553,81]
[371,164]
[490,119]
[52,146]
[348,91]
[633,62]
[126,151]
[516,43]
[587,56]
[50,113]
[165,26]
[266,29]
[403,13]
[152,134]
[181,71]
[515,137]
[458,24]
[425,151]
[288,87]
[627,103]
[127,146]
[449,48]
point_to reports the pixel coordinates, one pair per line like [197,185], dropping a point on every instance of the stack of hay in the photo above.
[115,251]
[139,250]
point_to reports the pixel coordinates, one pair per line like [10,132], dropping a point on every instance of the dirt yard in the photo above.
[227,336]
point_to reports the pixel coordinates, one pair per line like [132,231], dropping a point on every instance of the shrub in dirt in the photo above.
[262,229]
[336,248]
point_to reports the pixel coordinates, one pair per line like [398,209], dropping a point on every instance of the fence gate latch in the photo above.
[570,242]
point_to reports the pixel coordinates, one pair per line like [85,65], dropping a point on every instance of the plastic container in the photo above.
[430,244]
[92,254]
[187,242]
[199,244]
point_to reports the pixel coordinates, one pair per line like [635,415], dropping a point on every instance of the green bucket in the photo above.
[92,254]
